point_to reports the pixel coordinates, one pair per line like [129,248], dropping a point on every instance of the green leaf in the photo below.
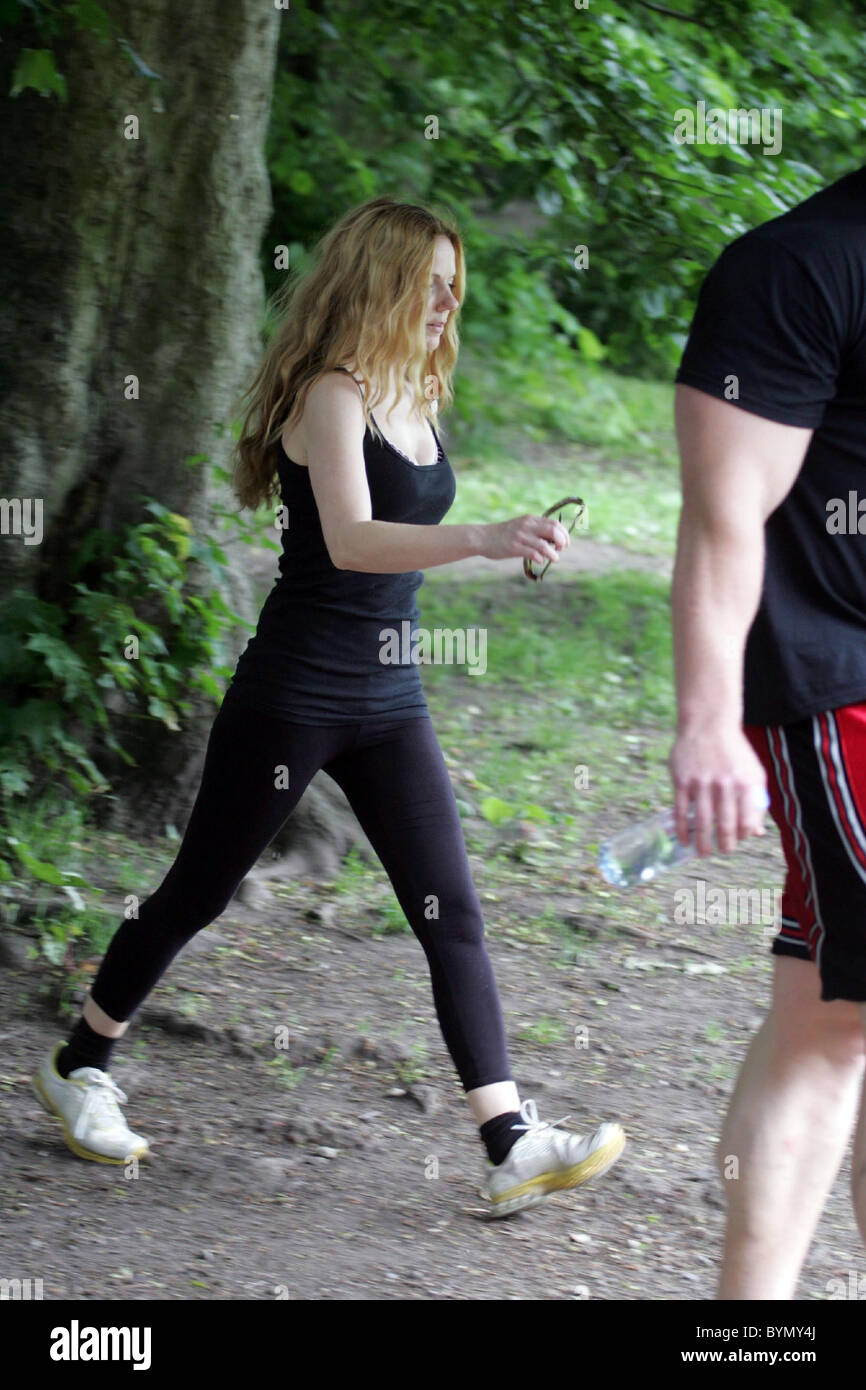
[88,15]
[54,950]
[35,68]
[160,710]
[46,873]
[302,182]
[495,810]
[14,780]
[589,346]
[61,660]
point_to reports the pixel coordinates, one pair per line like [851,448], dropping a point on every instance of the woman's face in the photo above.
[441,301]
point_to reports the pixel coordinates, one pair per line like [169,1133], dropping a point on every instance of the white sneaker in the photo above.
[86,1105]
[547,1160]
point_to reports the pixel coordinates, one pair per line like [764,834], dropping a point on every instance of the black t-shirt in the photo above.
[781,318]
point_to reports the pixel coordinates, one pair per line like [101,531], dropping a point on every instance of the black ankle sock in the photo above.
[499,1138]
[85,1048]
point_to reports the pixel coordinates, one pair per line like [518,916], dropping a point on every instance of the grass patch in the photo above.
[596,644]
[584,420]
[623,416]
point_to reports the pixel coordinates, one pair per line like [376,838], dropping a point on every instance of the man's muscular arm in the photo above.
[736,468]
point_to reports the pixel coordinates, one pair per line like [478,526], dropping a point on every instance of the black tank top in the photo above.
[315,655]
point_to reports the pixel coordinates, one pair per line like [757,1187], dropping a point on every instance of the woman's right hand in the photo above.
[538,538]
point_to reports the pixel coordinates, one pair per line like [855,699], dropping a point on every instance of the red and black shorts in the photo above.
[816,778]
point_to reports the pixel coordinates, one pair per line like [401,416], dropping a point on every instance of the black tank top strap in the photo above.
[373,418]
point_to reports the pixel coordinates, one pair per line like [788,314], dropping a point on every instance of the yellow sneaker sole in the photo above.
[48,1104]
[560,1180]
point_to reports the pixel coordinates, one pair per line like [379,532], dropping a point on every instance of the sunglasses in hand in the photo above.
[569,512]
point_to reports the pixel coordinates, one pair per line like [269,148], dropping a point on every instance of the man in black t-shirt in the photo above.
[769,612]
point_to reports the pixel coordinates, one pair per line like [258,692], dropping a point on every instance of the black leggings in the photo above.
[397,784]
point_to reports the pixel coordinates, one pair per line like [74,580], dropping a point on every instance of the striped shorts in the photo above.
[816,778]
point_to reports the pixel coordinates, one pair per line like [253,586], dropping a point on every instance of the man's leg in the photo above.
[787,1127]
[858,1162]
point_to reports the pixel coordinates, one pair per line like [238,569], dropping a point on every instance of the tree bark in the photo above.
[127,258]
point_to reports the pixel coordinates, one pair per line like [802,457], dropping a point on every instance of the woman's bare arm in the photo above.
[334,427]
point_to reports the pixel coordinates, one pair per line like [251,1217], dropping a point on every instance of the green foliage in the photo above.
[136,636]
[394,918]
[413,1069]
[497,811]
[353,877]
[614,447]
[36,840]
[360,881]
[556,130]
[287,1074]
[36,68]
[545,1032]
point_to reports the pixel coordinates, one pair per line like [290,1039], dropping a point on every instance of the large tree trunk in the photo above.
[136,258]
[140,257]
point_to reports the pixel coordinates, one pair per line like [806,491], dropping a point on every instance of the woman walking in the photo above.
[370,326]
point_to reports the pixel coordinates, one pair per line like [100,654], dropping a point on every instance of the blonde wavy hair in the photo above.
[363,299]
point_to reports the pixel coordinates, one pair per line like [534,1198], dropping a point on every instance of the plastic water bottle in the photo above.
[640,852]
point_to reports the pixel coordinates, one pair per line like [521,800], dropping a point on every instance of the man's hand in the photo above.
[716,768]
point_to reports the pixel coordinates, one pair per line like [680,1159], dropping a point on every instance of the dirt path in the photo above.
[316,1178]
[583,556]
